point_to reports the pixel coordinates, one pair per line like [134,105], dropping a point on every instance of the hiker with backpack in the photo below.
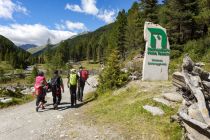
[72,85]
[56,86]
[83,76]
[40,90]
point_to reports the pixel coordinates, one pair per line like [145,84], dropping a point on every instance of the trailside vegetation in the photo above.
[9,52]
[112,77]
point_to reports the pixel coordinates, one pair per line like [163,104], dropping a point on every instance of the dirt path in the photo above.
[22,122]
[77,126]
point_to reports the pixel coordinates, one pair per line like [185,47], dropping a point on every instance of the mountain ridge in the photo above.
[27,46]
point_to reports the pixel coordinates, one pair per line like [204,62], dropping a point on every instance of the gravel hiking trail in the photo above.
[24,123]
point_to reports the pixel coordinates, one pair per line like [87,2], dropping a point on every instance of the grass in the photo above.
[124,110]
[207,67]
[5,66]
[18,81]
[17,101]
[88,65]
[17,98]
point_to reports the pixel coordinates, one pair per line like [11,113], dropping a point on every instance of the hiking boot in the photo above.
[37,109]
[44,102]
[55,106]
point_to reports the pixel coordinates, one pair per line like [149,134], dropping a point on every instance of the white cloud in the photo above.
[7,9]
[71,26]
[89,7]
[60,26]
[75,26]
[75,8]
[107,16]
[33,34]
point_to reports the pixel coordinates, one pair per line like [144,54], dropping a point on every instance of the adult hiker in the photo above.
[72,85]
[40,90]
[56,86]
[83,76]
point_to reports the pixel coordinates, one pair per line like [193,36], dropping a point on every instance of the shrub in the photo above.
[198,49]
[112,77]
[33,74]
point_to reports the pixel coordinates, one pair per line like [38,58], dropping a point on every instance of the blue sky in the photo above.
[34,21]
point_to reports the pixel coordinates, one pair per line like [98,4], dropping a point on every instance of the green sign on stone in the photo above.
[157,51]
[161,36]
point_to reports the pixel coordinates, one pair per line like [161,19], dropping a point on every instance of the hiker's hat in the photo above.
[56,72]
[40,73]
[73,70]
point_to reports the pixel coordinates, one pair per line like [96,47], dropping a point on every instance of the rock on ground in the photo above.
[5,100]
[194,113]
[174,97]
[154,110]
[93,84]
[26,91]
[163,101]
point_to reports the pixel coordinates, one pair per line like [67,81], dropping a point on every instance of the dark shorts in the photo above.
[39,98]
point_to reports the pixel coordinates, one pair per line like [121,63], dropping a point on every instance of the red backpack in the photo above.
[84,74]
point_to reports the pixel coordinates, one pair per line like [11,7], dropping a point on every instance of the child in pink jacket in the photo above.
[39,86]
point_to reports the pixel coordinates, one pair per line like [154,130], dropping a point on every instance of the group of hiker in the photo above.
[76,83]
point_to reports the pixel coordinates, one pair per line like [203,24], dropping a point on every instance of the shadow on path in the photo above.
[66,105]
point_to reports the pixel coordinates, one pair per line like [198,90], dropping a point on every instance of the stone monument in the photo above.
[157,51]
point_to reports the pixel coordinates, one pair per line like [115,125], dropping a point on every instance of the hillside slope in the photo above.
[13,54]
[37,49]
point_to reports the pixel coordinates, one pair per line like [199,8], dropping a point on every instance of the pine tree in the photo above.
[111,77]
[1,56]
[134,32]
[88,53]
[102,44]
[149,8]
[14,60]
[121,31]
[203,18]
[57,59]
[7,55]
[181,23]
[34,72]
[47,55]
[94,53]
